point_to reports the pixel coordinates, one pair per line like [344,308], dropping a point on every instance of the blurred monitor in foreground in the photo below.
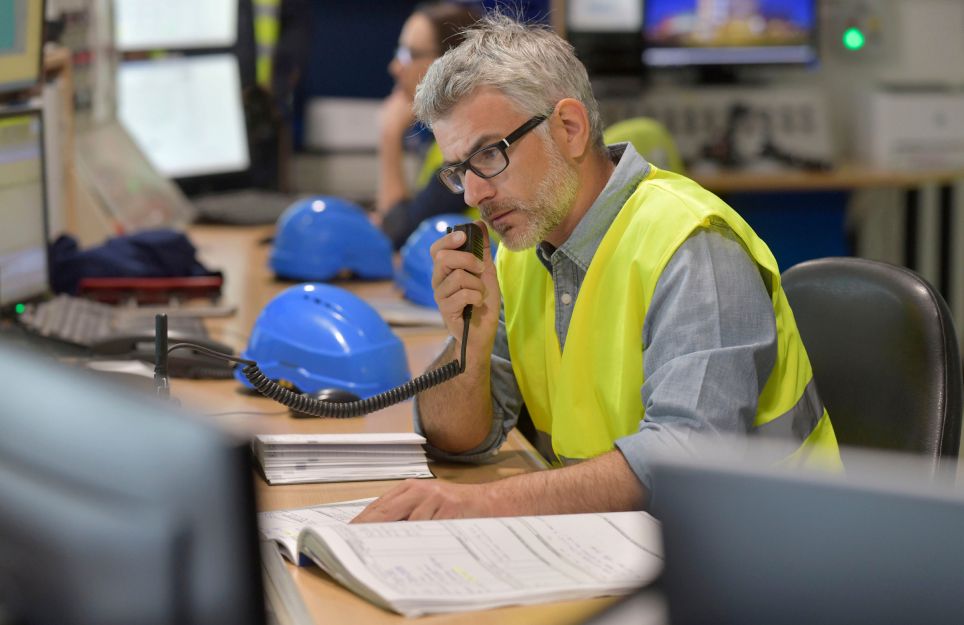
[879,544]
[116,510]
[21,43]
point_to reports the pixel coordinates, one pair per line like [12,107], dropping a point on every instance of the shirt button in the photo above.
[566,299]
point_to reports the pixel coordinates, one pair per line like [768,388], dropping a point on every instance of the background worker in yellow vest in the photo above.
[629,311]
[426,34]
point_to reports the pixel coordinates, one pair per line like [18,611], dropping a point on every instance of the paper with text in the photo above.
[424,567]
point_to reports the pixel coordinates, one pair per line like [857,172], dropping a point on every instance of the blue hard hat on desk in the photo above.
[316,336]
[414,277]
[322,237]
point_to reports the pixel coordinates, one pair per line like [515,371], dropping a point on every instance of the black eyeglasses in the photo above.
[488,161]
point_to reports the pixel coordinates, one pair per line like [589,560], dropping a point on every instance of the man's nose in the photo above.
[477,188]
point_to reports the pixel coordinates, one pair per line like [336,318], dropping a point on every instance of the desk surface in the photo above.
[241,255]
[842,178]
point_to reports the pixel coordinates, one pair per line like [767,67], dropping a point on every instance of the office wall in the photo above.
[353,42]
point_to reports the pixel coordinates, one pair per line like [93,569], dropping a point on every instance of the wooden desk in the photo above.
[846,177]
[249,285]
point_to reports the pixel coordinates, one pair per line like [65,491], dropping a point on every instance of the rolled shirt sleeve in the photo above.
[506,405]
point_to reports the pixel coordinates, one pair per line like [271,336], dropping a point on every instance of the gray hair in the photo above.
[529,64]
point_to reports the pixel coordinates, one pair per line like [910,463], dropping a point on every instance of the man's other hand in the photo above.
[421,500]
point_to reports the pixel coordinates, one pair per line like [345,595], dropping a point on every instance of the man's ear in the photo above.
[572,118]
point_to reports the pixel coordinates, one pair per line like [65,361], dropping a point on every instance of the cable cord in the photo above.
[338,410]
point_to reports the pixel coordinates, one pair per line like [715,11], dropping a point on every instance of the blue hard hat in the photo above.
[414,277]
[320,237]
[317,336]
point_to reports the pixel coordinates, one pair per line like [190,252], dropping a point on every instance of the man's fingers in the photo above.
[394,505]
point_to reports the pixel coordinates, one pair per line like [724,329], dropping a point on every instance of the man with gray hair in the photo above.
[648,313]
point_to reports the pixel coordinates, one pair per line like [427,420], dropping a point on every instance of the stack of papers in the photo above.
[300,458]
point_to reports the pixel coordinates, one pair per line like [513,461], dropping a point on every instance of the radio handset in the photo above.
[474,242]
[304,405]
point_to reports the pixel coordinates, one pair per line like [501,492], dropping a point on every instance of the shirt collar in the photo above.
[581,245]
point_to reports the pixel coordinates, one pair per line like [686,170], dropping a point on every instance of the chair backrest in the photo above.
[650,138]
[884,354]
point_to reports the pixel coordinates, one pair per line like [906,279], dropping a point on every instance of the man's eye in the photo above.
[487,157]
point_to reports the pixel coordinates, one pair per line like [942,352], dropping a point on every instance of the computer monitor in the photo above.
[745,543]
[21,43]
[185,113]
[606,35]
[23,231]
[117,508]
[174,24]
[729,32]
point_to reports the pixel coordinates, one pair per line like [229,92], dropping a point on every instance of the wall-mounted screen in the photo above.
[729,32]
[174,24]
[185,113]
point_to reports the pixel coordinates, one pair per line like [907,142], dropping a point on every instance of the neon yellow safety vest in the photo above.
[589,396]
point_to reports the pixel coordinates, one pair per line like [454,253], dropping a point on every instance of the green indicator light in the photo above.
[854,39]
[20,308]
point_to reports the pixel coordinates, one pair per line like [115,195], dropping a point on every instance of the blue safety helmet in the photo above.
[316,336]
[320,237]
[414,277]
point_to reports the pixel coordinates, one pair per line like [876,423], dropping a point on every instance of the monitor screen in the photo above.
[757,542]
[606,35]
[117,508]
[729,32]
[599,16]
[174,24]
[185,113]
[23,234]
[21,40]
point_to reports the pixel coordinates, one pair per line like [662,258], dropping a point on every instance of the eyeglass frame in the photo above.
[502,145]
[406,55]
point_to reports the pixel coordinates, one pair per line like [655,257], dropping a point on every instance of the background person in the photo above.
[427,34]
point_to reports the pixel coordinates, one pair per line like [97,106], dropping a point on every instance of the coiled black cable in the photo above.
[339,410]
[474,242]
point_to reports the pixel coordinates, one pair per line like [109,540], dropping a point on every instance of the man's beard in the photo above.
[546,212]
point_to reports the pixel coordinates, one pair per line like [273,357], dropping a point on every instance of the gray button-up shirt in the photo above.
[708,340]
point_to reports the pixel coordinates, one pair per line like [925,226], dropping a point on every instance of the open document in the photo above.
[283,526]
[425,567]
[300,458]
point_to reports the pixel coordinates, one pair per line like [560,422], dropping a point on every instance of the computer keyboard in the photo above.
[88,323]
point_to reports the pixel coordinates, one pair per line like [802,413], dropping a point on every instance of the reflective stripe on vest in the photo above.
[586,398]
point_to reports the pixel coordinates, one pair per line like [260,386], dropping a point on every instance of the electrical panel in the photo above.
[795,121]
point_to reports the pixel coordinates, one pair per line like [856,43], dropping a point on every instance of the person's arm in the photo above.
[395,118]
[457,416]
[710,344]
[506,404]
[603,484]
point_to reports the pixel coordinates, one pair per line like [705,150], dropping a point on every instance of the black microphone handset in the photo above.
[305,406]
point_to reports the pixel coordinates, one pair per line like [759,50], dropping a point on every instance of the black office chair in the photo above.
[884,354]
